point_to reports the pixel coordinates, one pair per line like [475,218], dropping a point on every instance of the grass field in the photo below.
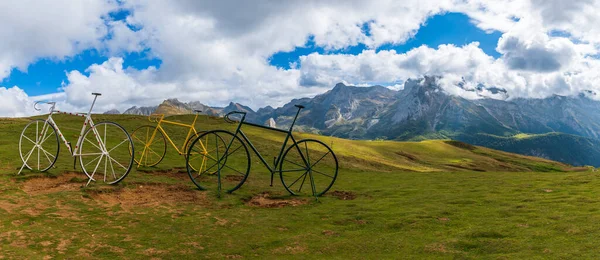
[430,199]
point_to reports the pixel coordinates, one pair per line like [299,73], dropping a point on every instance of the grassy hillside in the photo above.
[430,199]
[555,146]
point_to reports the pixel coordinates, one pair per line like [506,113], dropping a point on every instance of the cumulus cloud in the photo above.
[218,51]
[389,66]
[49,29]
[125,87]
[15,102]
[538,54]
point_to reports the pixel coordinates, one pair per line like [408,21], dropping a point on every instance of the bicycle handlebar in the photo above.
[42,102]
[229,120]
[155,117]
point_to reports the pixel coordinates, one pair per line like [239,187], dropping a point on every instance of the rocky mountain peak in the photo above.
[112,112]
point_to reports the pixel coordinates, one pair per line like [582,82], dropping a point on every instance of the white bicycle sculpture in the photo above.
[104,148]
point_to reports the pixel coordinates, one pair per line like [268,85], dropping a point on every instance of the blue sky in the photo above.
[217,52]
[47,75]
[448,28]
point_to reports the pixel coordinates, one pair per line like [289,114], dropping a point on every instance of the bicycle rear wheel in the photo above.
[308,167]
[39,145]
[151,145]
[106,151]
[223,169]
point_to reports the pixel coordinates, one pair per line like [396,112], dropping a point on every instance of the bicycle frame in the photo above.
[159,119]
[277,159]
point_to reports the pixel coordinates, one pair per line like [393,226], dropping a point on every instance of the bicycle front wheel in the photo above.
[225,161]
[308,167]
[39,145]
[106,153]
[151,144]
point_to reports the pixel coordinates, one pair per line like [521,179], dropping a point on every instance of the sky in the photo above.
[258,53]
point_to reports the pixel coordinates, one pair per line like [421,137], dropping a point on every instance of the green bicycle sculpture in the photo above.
[307,162]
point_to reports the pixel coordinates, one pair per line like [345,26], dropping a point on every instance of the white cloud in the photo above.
[217,51]
[538,53]
[49,29]
[14,102]
[389,66]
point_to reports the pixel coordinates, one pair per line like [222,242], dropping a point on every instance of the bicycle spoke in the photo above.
[194,157]
[113,170]
[307,155]
[96,168]
[104,141]
[297,170]
[43,135]
[44,140]
[138,139]
[46,153]
[230,153]
[88,154]
[105,167]
[303,180]
[93,144]
[93,160]
[30,153]
[118,144]
[38,158]
[28,139]
[294,163]
[150,149]
[313,170]
[225,165]
[206,169]
[154,140]
[313,165]
[117,163]
[301,155]
[298,179]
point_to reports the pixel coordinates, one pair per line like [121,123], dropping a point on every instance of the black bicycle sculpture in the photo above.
[305,162]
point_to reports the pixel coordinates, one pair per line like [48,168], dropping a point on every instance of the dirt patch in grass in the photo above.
[468,167]
[264,200]
[408,156]
[342,195]
[295,248]
[234,178]
[8,206]
[45,185]
[329,233]
[437,247]
[461,145]
[179,174]
[34,210]
[150,195]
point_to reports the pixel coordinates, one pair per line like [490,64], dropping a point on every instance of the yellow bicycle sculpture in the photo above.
[151,142]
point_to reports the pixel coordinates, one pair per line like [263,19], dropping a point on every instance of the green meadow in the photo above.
[404,200]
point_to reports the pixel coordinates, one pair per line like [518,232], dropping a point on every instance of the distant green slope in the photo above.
[562,147]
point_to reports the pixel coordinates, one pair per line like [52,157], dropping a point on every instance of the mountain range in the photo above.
[560,128]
